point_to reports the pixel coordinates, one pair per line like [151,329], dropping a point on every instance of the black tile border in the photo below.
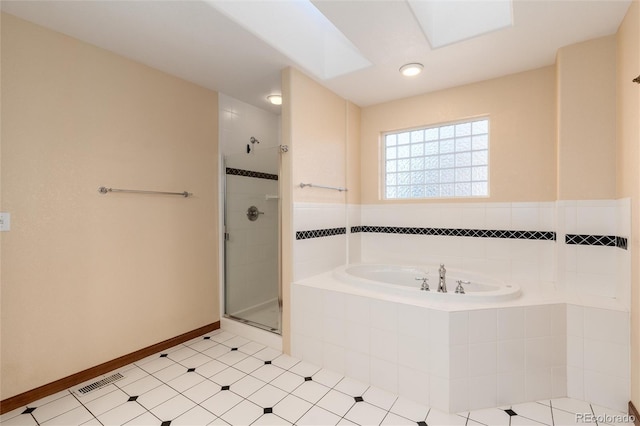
[596,240]
[319,233]
[250,173]
[454,232]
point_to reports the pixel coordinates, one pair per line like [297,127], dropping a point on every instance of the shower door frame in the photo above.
[225,236]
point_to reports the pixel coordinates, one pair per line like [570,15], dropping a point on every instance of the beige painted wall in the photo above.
[522,111]
[586,84]
[89,277]
[628,164]
[318,134]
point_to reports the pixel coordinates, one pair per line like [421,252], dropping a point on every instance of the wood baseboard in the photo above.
[59,385]
[634,412]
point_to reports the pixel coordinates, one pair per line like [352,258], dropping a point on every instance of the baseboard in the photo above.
[59,385]
[634,412]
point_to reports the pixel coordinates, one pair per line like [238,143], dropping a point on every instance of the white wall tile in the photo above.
[538,384]
[333,358]
[575,351]
[459,362]
[439,390]
[483,358]
[413,352]
[358,337]
[459,328]
[458,395]
[483,392]
[596,219]
[384,315]
[606,358]
[384,345]
[510,354]
[413,321]
[575,383]
[511,323]
[358,309]
[606,325]
[607,391]
[357,366]
[559,382]
[575,320]
[483,326]
[511,388]
[413,384]
[537,321]
[384,375]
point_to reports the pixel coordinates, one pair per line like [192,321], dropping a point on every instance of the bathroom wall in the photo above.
[87,277]
[628,164]
[522,110]
[252,248]
[586,94]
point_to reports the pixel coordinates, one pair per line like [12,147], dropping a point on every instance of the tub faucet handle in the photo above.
[459,288]
[425,284]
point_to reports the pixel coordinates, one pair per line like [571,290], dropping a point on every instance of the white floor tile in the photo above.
[490,416]
[185,381]
[327,377]
[227,377]
[363,413]
[351,387]
[291,408]
[77,416]
[195,416]
[267,396]
[285,361]
[246,386]
[107,402]
[202,345]
[437,417]
[236,342]
[380,398]
[245,413]
[267,354]
[21,420]
[157,364]
[287,381]
[311,391]
[11,414]
[251,348]
[216,351]
[221,336]
[233,357]
[337,402]
[146,419]
[211,368]
[409,409]
[249,365]
[534,411]
[395,420]
[173,408]
[141,386]
[564,418]
[345,422]
[304,369]
[54,397]
[221,402]
[122,414]
[155,397]
[170,373]
[318,416]
[182,354]
[57,407]
[267,373]
[195,361]
[202,391]
[271,420]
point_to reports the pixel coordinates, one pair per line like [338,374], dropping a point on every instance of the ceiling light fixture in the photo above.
[275,99]
[410,70]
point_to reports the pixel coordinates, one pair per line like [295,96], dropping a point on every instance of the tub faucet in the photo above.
[442,282]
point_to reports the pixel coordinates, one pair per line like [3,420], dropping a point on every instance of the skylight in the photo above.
[446,22]
[298,30]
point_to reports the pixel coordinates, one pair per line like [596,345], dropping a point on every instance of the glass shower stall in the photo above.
[251,238]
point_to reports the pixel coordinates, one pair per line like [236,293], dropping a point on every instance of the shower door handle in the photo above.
[253,213]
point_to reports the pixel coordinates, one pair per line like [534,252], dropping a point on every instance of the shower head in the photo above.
[254,140]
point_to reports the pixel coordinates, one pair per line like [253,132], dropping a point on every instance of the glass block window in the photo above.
[445,161]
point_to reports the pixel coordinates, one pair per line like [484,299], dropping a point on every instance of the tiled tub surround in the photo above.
[591,279]
[455,357]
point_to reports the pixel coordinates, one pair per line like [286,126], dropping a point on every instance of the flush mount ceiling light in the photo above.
[410,70]
[448,22]
[275,99]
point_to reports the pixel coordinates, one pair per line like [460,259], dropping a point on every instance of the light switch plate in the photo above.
[5,221]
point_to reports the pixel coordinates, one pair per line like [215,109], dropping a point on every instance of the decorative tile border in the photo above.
[249,173]
[596,240]
[477,233]
[318,233]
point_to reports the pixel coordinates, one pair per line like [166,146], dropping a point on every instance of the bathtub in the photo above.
[407,280]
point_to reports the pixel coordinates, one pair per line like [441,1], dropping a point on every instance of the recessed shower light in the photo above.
[275,99]
[410,70]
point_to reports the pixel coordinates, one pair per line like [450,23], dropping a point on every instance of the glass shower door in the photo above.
[252,281]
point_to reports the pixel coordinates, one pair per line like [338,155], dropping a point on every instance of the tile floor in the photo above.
[221,378]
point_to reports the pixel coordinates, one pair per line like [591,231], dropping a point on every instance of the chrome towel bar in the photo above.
[313,185]
[104,190]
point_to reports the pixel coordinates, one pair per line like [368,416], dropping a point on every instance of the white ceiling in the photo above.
[194,41]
